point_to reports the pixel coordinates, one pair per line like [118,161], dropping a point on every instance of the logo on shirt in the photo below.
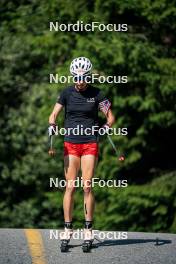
[91,100]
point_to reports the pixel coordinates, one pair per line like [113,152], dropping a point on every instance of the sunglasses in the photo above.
[81,78]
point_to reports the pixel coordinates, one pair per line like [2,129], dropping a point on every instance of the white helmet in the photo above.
[80,66]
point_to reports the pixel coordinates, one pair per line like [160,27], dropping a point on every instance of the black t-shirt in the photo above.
[81,112]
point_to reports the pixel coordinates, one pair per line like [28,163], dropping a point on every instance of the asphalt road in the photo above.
[18,246]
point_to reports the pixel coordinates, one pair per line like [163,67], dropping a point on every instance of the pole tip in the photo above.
[51,152]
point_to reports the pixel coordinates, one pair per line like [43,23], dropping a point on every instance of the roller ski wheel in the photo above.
[64,245]
[88,240]
[65,239]
[87,245]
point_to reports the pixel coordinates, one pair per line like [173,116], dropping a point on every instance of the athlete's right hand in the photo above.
[52,130]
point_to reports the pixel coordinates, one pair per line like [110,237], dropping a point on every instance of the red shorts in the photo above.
[80,149]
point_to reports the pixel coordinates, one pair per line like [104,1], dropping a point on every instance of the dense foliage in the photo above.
[145,105]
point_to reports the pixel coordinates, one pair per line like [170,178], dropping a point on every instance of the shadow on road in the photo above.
[105,243]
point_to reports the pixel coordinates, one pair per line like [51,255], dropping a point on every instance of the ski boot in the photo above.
[65,239]
[88,240]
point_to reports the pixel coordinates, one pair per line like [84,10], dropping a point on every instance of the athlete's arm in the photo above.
[57,108]
[110,118]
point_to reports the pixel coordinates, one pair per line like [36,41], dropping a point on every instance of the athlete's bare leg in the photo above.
[71,168]
[88,164]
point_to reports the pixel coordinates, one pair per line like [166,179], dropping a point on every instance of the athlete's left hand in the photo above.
[106,127]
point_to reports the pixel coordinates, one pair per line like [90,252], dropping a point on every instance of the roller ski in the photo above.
[88,240]
[65,239]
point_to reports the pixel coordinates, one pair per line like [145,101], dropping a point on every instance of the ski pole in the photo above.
[120,157]
[51,150]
